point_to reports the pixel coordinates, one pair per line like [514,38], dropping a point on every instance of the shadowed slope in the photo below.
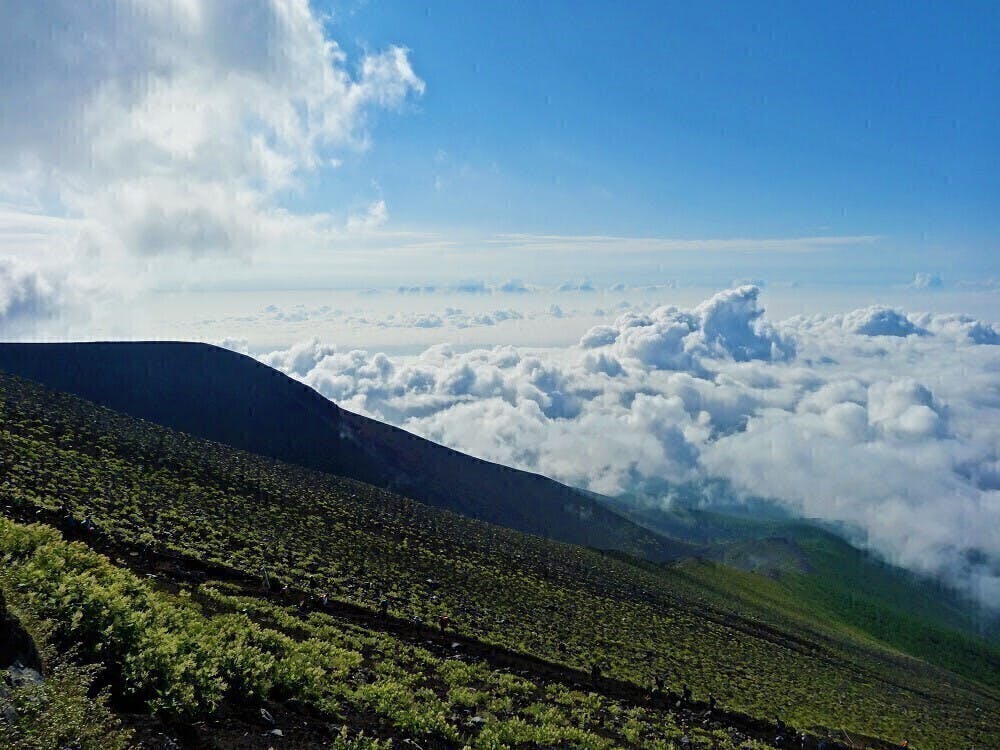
[214,393]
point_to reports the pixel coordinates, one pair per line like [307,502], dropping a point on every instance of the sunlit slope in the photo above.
[148,485]
[193,661]
[801,566]
[220,395]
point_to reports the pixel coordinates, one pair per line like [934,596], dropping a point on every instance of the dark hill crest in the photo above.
[221,395]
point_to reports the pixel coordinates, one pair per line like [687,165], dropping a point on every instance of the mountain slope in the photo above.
[154,494]
[798,565]
[220,395]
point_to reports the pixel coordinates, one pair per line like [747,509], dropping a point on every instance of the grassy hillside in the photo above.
[818,573]
[153,493]
[192,654]
[840,584]
[227,397]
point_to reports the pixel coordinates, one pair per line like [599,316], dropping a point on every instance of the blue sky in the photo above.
[693,120]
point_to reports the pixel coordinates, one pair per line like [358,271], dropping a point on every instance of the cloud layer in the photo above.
[887,422]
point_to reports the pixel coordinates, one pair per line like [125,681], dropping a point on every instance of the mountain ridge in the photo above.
[220,395]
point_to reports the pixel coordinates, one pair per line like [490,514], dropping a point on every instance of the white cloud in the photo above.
[961,327]
[730,324]
[301,358]
[878,320]
[176,129]
[238,345]
[602,335]
[374,216]
[903,408]
[895,435]
[40,301]
[26,295]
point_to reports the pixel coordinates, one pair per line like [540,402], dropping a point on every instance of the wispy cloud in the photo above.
[373,217]
[608,244]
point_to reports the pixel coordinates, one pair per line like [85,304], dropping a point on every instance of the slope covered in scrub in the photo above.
[154,492]
[214,393]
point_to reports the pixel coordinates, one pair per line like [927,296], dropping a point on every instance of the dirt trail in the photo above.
[174,570]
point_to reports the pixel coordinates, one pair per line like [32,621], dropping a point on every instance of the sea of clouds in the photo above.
[884,421]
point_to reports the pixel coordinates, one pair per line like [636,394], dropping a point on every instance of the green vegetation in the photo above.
[848,586]
[820,576]
[59,713]
[721,631]
[181,656]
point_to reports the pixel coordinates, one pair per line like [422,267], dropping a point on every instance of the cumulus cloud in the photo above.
[878,320]
[175,128]
[904,409]
[896,436]
[601,335]
[301,358]
[960,327]
[730,324]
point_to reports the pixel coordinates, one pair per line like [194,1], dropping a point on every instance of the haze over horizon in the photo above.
[626,248]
